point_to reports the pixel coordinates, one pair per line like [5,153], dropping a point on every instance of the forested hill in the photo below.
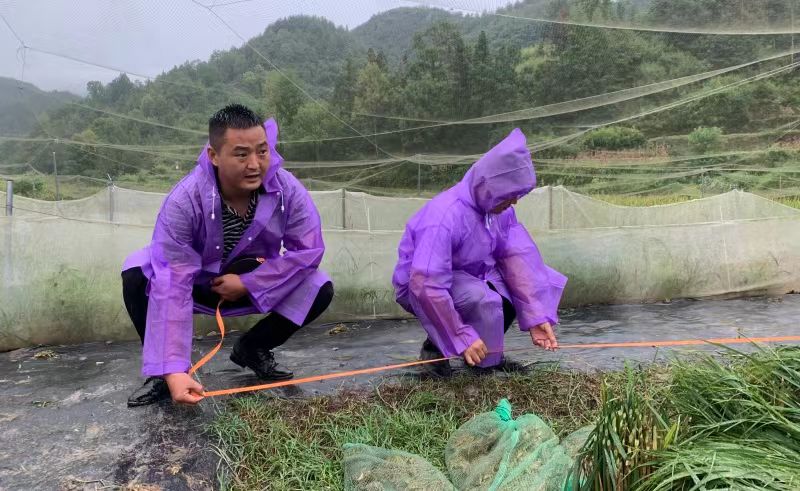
[411,65]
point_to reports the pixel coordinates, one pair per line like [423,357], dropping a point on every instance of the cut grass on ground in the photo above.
[271,443]
[701,422]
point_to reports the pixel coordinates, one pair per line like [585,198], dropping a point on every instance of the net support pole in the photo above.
[344,204]
[111,203]
[8,261]
[55,175]
[9,198]
[419,179]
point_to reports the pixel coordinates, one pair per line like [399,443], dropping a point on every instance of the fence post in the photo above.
[110,200]
[8,261]
[344,205]
[55,176]
[549,207]
[9,198]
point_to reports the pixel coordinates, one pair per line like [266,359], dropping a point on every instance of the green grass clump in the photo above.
[730,423]
[743,424]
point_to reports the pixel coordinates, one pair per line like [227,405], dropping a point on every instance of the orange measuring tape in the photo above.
[367,371]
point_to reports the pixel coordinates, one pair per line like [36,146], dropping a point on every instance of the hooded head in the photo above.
[504,173]
[242,149]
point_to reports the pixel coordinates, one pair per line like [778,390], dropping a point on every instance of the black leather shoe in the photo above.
[153,390]
[512,366]
[441,369]
[477,371]
[262,362]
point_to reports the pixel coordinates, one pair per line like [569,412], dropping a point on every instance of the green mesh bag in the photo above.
[369,468]
[574,442]
[493,451]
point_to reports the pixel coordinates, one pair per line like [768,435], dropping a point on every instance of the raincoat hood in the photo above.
[506,171]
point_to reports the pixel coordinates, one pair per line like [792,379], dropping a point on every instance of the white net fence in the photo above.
[546,208]
[61,261]
[692,106]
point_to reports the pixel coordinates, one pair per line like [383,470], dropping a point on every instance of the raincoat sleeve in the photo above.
[535,288]
[430,280]
[168,336]
[278,277]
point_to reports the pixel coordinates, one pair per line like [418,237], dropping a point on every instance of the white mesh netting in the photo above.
[634,102]
[63,271]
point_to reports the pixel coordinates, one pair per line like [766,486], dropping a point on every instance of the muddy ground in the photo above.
[64,423]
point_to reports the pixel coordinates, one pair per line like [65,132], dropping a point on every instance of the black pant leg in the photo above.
[134,294]
[274,329]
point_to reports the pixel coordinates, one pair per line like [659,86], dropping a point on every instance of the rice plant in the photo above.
[628,430]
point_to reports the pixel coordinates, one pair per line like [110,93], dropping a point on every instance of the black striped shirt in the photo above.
[234,226]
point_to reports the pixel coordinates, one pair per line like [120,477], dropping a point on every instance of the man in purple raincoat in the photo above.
[467,268]
[218,236]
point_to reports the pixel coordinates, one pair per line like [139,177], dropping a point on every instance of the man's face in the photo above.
[242,160]
[504,205]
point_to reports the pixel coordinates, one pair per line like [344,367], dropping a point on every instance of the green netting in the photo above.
[369,468]
[573,442]
[492,451]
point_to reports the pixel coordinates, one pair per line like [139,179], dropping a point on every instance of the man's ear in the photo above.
[212,155]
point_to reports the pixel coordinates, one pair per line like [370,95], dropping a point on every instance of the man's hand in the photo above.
[229,287]
[475,353]
[542,335]
[183,388]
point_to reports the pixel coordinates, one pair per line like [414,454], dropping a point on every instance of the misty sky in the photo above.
[148,37]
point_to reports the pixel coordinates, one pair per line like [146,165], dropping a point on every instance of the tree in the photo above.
[118,91]
[95,90]
[223,66]
[253,81]
[155,106]
[209,74]
[741,109]
[505,84]
[531,61]
[597,61]
[481,76]
[438,76]
[704,139]
[373,90]
[284,98]
[380,60]
[591,7]
[344,92]
[313,122]
[79,159]
[731,14]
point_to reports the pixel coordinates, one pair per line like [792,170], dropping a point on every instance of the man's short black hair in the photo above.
[234,116]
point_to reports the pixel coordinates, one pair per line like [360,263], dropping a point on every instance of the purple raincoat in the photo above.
[187,246]
[454,247]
